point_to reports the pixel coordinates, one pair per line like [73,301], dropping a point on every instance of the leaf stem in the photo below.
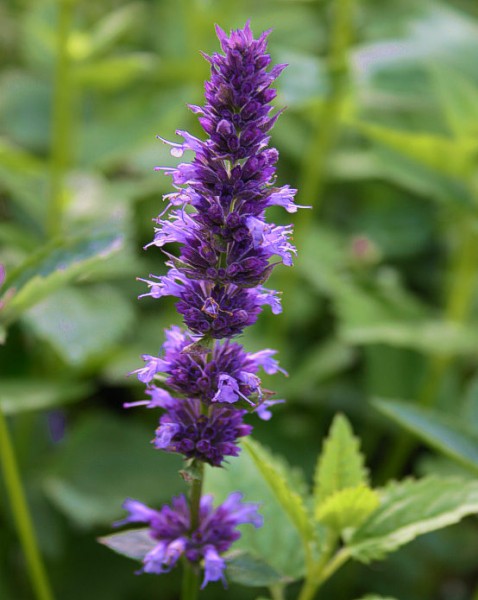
[61,119]
[21,515]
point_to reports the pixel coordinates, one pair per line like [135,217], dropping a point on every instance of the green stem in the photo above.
[277,591]
[61,119]
[21,515]
[312,178]
[314,577]
[190,589]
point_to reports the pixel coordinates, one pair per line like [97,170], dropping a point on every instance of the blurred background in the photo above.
[380,136]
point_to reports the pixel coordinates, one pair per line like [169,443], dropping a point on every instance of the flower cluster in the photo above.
[204,382]
[172,531]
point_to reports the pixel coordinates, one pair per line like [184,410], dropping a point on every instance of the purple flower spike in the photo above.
[227,250]
[170,528]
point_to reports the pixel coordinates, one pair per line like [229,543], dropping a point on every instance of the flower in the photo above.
[227,375]
[209,438]
[170,528]
[227,250]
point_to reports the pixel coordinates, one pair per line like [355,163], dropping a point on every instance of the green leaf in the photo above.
[453,157]
[104,460]
[279,479]
[347,508]
[134,544]
[340,464]
[431,337]
[115,72]
[459,99]
[269,543]
[19,396]
[440,430]
[409,509]
[51,268]
[245,569]
[81,324]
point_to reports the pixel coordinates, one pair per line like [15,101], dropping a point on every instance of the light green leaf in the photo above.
[340,464]
[115,72]
[453,157]
[347,508]
[409,509]
[459,99]
[82,324]
[280,481]
[440,430]
[135,543]
[52,267]
[19,396]
[431,337]
[109,29]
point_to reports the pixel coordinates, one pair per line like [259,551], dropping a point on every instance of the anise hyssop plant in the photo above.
[205,383]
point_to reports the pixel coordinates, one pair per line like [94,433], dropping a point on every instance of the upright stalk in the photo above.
[313,173]
[190,586]
[21,515]
[61,119]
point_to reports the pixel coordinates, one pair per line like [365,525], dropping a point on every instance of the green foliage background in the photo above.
[380,136]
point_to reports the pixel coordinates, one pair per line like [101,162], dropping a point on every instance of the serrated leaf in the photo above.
[20,396]
[277,477]
[52,267]
[412,508]
[134,544]
[340,464]
[248,570]
[347,508]
[440,430]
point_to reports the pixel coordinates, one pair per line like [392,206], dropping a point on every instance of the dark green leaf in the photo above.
[441,431]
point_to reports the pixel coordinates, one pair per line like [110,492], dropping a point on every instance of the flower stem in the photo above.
[61,119]
[21,515]
[190,587]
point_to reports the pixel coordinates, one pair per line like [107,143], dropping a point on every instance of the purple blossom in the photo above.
[228,374]
[226,249]
[210,438]
[170,528]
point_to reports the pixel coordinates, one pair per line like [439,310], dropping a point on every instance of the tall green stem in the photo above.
[21,515]
[61,119]
[312,178]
